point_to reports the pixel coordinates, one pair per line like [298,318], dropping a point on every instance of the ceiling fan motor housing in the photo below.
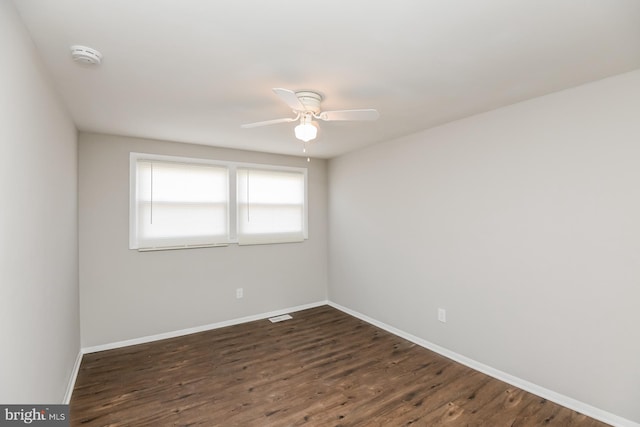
[310,100]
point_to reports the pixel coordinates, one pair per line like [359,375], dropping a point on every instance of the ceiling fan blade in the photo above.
[290,98]
[366,114]
[268,122]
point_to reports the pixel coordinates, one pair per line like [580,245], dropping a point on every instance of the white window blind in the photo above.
[180,205]
[270,206]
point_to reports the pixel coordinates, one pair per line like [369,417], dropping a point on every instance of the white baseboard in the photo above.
[72,379]
[181,332]
[550,395]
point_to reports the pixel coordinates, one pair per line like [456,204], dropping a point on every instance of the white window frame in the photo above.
[232,214]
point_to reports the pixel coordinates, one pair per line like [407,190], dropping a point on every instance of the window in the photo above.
[181,202]
[271,206]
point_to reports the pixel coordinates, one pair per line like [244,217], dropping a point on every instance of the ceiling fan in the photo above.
[306,107]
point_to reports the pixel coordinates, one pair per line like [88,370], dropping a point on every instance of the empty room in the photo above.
[249,213]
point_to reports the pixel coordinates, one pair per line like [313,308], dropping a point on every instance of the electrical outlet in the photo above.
[239,293]
[442,315]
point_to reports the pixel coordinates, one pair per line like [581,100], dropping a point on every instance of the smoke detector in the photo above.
[86,55]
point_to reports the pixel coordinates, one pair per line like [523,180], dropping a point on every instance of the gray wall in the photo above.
[126,294]
[39,320]
[523,223]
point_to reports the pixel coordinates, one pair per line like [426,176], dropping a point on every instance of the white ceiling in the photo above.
[195,70]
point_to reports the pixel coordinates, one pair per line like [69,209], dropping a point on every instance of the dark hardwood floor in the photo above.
[322,368]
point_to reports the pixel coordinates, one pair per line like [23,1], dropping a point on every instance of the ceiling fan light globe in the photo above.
[306,132]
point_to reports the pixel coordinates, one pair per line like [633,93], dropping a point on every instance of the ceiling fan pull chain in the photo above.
[304,150]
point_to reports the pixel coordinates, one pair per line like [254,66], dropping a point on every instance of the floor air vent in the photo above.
[280,318]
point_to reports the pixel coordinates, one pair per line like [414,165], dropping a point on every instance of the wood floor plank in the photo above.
[321,368]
